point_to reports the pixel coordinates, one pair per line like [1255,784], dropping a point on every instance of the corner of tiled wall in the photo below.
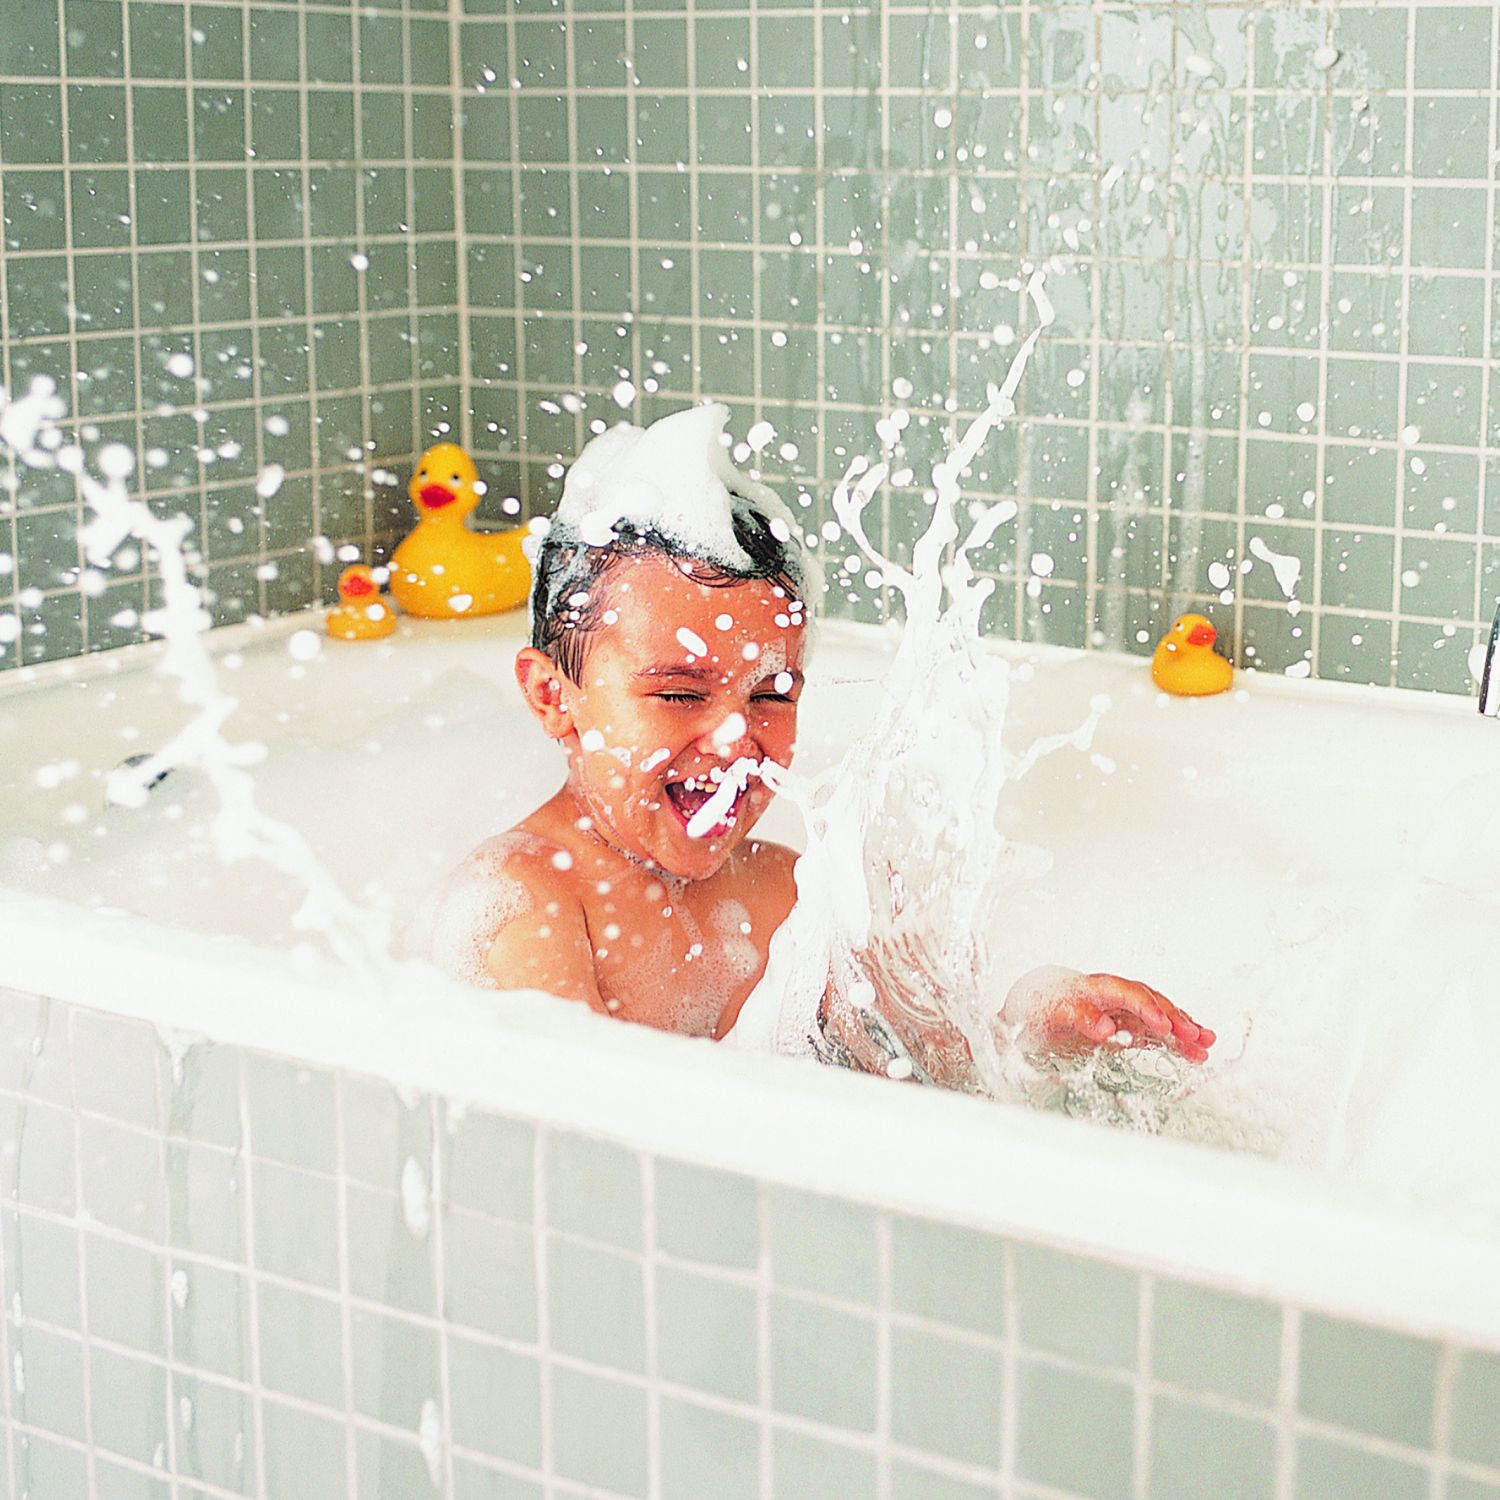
[1273,228]
[235,220]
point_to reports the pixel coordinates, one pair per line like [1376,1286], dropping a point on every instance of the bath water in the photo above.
[906,876]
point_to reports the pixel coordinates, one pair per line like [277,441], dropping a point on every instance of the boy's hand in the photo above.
[1063,1011]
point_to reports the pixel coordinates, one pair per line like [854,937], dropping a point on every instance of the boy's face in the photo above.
[681,680]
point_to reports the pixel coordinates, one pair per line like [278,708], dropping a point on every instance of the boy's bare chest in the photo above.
[678,964]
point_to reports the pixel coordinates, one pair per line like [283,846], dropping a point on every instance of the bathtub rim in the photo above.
[1242,1224]
[140,657]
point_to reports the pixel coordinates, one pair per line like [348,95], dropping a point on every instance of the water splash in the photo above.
[905,864]
[31,427]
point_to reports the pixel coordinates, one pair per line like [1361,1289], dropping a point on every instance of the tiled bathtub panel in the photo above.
[264,190]
[510,1307]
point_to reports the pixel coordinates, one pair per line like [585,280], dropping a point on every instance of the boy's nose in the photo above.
[728,738]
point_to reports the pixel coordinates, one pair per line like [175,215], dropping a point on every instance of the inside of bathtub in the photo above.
[910,858]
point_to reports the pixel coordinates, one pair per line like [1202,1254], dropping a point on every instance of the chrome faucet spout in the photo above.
[1489,686]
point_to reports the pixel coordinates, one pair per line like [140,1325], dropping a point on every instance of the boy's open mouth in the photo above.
[688,796]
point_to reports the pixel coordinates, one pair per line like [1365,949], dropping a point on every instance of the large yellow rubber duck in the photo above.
[361,614]
[443,570]
[1185,662]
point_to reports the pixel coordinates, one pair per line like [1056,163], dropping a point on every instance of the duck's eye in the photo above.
[454,478]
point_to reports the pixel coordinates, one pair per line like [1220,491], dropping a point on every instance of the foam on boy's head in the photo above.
[671,489]
[674,478]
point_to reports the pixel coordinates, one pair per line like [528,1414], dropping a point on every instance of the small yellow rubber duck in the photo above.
[1185,662]
[361,614]
[442,570]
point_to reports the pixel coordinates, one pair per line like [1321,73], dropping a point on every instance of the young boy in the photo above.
[668,634]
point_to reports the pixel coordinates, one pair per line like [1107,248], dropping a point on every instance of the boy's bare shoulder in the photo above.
[518,854]
[768,869]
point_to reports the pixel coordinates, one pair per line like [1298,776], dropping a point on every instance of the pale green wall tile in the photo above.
[1351,649]
[1080,1308]
[491,1279]
[1367,1378]
[495,1401]
[1274,639]
[1372,47]
[124,1483]
[35,210]
[706,1333]
[301,1344]
[1211,1341]
[472,1481]
[1453,46]
[1369,137]
[291,1111]
[707,1452]
[822,1364]
[706,1216]
[910,1481]
[1443,402]
[1088,1458]
[593,1189]
[389,1261]
[128,1405]
[388,1467]
[946,1396]
[597,1304]
[599,1432]
[1327,1470]
[1196,1451]
[1357,569]
[1434,658]
[1449,227]
[41,1269]
[211,1319]
[803,1465]
[121,1171]
[1437,578]
[489,1164]
[821,1244]
[1476,1408]
[948,1274]
[215,1436]
[1463,1488]
[126,1286]
[1448,137]
[395,1368]
[296,1220]
[304,1453]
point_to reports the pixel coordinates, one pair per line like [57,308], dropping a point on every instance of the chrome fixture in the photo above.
[1489,686]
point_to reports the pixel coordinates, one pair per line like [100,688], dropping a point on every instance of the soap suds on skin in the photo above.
[455,927]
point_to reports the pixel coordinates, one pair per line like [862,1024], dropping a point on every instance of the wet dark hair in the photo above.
[568,599]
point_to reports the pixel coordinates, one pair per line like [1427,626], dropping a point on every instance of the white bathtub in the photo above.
[1223,858]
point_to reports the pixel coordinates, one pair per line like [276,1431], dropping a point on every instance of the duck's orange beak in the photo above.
[356,587]
[436,496]
[1202,635]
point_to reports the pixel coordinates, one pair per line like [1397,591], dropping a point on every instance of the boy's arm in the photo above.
[547,948]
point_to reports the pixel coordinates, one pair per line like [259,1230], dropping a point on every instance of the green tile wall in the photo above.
[223,1268]
[1274,236]
[229,235]
[1272,231]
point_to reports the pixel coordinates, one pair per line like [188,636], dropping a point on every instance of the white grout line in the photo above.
[1403,366]
[654,1382]
[540,1140]
[245,1154]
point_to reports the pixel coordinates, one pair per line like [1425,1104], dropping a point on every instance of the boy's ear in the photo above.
[545,690]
